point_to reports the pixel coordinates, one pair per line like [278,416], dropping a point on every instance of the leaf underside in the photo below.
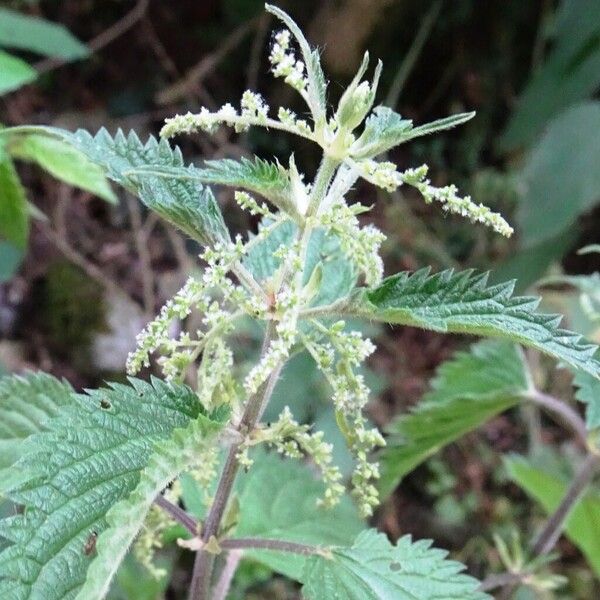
[464,303]
[97,453]
[278,500]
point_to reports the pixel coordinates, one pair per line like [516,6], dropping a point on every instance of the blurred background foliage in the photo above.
[79,276]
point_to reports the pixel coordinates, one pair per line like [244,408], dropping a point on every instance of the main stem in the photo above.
[205,561]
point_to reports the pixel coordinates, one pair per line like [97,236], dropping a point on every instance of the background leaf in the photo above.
[545,487]
[467,391]
[62,161]
[14,212]
[14,73]
[38,35]
[573,68]
[561,179]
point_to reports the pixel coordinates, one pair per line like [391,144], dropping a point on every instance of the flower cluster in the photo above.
[293,441]
[284,63]
[338,357]
[360,244]
[452,203]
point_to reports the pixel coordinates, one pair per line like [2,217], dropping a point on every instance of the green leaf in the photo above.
[270,180]
[463,303]
[317,86]
[26,403]
[38,35]
[62,161]
[589,393]
[374,569]
[181,201]
[278,500]
[582,525]
[95,471]
[10,260]
[339,277]
[14,73]
[467,391]
[14,213]
[570,73]
[385,129]
[561,179]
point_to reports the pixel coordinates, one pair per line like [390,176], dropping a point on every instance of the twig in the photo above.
[552,530]
[225,578]
[109,35]
[90,269]
[549,535]
[562,410]
[412,55]
[268,544]
[198,72]
[141,245]
[180,515]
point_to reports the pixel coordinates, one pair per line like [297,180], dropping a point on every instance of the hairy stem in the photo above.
[266,544]
[549,535]
[204,563]
[552,530]
[562,410]
[180,515]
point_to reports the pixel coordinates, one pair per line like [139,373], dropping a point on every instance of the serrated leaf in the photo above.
[62,161]
[181,201]
[270,180]
[317,86]
[467,390]
[339,277]
[38,35]
[385,129]
[170,457]
[582,526]
[374,569]
[463,303]
[27,402]
[589,393]
[99,460]
[14,213]
[278,500]
[14,73]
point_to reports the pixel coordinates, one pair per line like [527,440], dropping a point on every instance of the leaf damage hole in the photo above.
[395,566]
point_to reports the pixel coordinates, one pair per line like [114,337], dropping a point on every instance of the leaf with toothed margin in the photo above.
[182,201]
[27,403]
[467,391]
[317,86]
[374,569]
[94,471]
[385,128]
[463,303]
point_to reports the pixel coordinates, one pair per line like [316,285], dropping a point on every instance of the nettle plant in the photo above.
[100,471]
